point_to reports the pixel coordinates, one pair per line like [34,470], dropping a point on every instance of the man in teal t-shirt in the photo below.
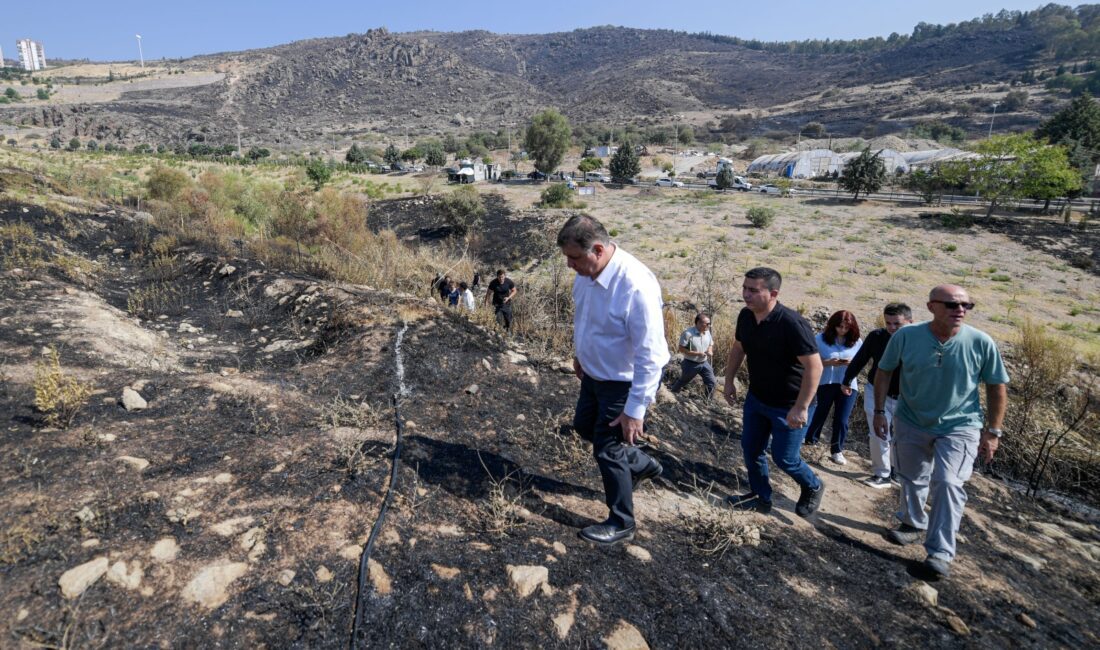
[938,428]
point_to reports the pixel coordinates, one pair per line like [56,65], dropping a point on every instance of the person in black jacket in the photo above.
[896,315]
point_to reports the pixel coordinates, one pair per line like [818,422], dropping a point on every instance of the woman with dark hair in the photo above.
[836,344]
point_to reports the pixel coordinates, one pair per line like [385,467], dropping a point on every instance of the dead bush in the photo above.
[56,394]
[715,529]
[20,248]
[502,512]
[155,299]
[1046,414]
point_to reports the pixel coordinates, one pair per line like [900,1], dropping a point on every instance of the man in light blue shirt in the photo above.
[620,350]
[697,346]
[938,429]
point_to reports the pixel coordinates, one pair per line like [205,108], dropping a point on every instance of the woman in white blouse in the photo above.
[836,344]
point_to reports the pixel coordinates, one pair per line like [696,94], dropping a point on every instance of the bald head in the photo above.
[947,292]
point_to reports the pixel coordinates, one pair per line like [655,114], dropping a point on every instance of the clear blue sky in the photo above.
[104,30]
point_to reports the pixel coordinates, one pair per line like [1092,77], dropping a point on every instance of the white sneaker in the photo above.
[839,459]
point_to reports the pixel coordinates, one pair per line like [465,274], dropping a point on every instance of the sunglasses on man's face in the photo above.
[953,305]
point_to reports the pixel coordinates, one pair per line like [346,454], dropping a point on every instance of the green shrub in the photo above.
[760,216]
[165,183]
[462,209]
[557,195]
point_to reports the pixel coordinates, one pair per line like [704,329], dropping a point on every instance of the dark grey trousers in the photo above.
[689,369]
[599,403]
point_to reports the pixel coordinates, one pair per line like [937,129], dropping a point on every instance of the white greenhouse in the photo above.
[894,161]
[797,164]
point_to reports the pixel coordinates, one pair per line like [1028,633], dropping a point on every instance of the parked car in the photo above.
[668,182]
[398,167]
[596,177]
[537,176]
[624,181]
[770,189]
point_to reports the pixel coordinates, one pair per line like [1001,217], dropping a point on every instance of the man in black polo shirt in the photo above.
[784,369]
[896,315]
[501,291]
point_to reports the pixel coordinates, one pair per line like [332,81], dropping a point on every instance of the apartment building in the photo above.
[31,54]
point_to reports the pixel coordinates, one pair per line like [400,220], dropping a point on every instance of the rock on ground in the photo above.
[165,550]
[208,587]
[132,400]
[526,579]
[379,578]
[129,578]
[925,593]
[625,637]
[74,581]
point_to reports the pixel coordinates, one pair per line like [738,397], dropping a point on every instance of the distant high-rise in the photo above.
[31,54]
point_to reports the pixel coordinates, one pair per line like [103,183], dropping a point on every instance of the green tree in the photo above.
[434,155]
[624,164]
[1047,175]
[684,134]
[92,145]
[865,173]
[724,179]
[355,155]
[12,94]
[74,144]
[256,153]
[1080,121]
[929,183]
[55,142]
[318,172]
[392,156]
[1019,166]
[589,164]
[462,209]
[412,154]
[548,138]
[42,93]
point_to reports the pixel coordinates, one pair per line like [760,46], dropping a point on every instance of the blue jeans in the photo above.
[828,396]
[762,422]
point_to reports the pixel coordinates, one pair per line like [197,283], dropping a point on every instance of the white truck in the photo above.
[739,182]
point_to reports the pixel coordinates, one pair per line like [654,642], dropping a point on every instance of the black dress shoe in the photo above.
[809,501]
[606,534]
[653,471]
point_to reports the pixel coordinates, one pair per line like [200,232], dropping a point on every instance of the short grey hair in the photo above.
[583,230]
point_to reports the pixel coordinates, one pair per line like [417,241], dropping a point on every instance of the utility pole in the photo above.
[994,116]
[141,56]
[239,154]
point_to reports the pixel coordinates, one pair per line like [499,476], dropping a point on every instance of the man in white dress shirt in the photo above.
[620,346]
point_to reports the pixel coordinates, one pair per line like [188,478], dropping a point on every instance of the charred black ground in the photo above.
[478,413]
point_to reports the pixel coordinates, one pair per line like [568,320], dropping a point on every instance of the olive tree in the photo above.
[548,138]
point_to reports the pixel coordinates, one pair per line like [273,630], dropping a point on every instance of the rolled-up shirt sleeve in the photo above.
[646,326]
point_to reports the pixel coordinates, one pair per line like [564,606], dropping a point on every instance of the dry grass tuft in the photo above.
[56,394]
[502,512]
[715,529]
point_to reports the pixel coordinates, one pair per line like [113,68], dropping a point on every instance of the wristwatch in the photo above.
[998,433]
[880,411]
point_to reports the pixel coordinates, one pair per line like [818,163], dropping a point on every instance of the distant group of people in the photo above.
[927,422]
[460,295]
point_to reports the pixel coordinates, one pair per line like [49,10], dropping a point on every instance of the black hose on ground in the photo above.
[364,559]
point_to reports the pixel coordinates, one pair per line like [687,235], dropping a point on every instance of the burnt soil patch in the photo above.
[249,426]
